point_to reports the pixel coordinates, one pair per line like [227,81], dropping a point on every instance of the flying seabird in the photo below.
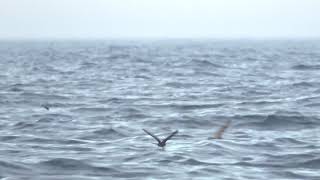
[219,133]
[163,142]
[46,107]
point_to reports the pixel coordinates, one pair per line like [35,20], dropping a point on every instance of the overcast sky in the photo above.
[159,18]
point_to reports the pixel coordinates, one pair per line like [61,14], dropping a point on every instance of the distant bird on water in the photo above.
[46,107]
[163,142]
[219,133]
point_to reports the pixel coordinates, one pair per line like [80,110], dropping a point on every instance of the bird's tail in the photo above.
[219,133]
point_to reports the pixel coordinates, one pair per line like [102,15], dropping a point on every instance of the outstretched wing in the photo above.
[155,137]
[219,133]
[46,107]
[169,137]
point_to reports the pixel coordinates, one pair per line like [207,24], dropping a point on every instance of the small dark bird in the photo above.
[219,133]
[46,107]
[163,142]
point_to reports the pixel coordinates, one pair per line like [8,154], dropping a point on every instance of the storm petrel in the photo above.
[163,142]
[46,107]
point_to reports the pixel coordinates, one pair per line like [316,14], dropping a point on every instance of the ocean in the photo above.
[76,109]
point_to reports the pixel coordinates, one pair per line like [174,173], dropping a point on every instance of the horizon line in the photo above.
[155,38]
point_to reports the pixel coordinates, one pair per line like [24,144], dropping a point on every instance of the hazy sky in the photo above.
[159,18]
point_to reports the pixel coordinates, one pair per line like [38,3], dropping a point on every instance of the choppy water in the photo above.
[101,94]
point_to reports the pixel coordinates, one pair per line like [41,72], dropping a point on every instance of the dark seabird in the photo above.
[219,133]
[163,142]
[46,107]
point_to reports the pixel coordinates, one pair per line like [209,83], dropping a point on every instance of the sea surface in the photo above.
[101,94]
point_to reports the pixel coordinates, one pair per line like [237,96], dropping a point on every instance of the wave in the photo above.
[282,120]
[306,67]
[109,133]
[257,164]
[86,65]
[190,122]
[180,85]
[9,137]
[191,106]
[204,64]
[290,174]
[142,77]
[195,162]
[47,97]
[18,87]
[67,164]
[133,113]
[313,105]
[260,102]
[45,120]
[123,56]
[12,168]
[288,141]
[305,84]
[91,110]
[15,89]
[112,100]
[23,125]
[313,164]
[105,134]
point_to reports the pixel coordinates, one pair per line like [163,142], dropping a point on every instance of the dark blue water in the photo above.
[101,94]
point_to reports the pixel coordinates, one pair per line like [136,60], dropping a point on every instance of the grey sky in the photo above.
[159,18]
